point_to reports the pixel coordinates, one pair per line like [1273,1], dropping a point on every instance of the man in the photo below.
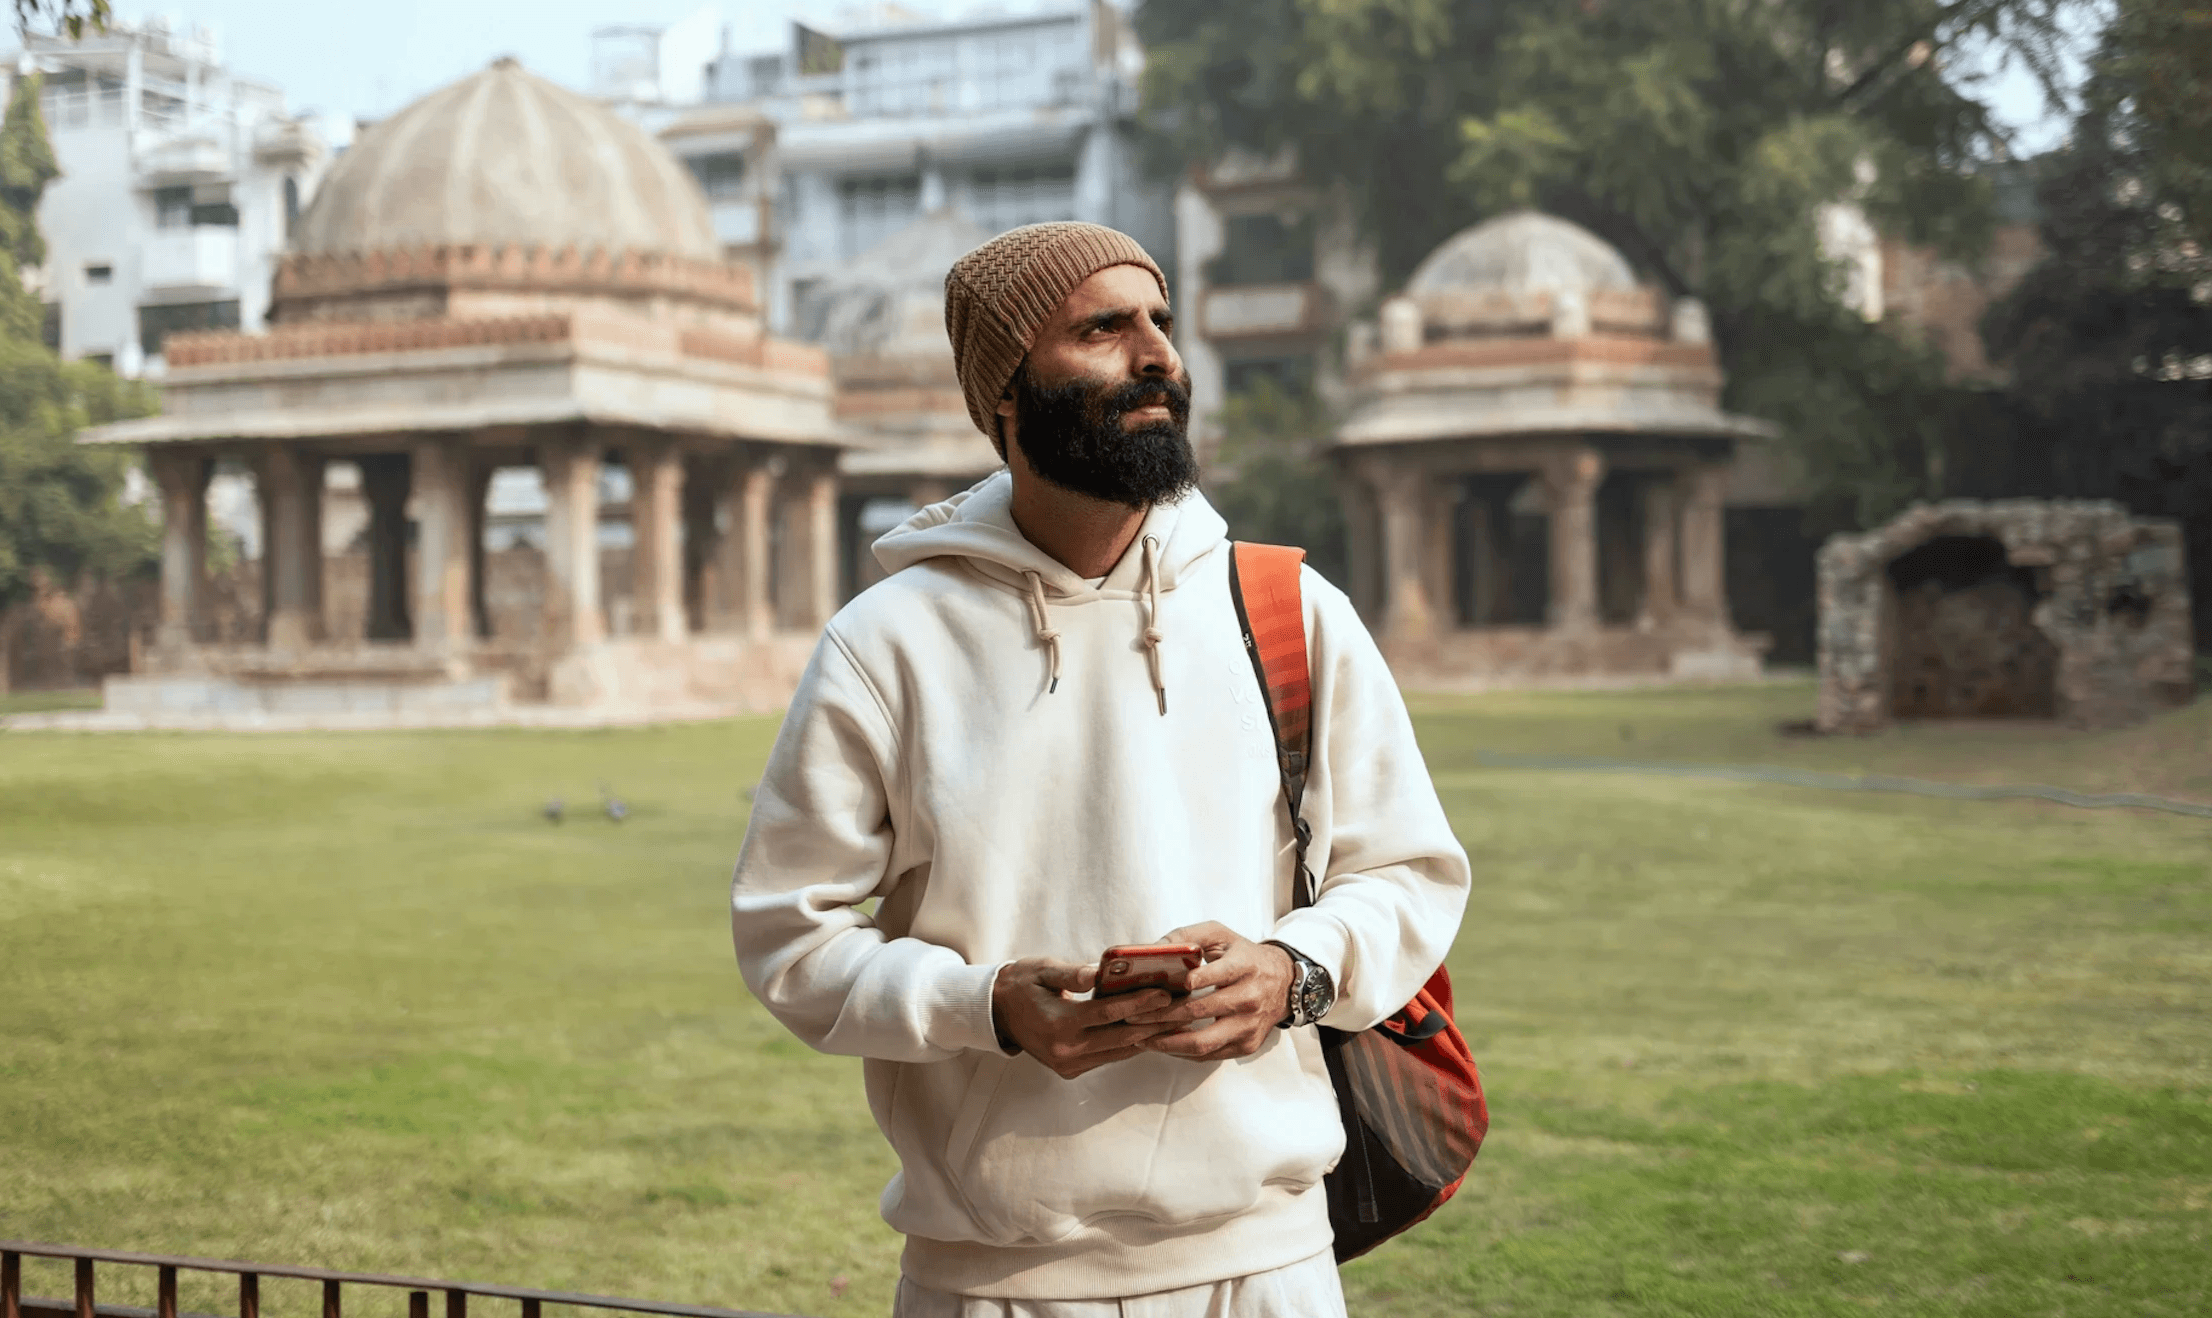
[1039,737]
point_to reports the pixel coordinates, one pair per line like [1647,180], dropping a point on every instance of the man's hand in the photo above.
[1251,992]
[1030,1005]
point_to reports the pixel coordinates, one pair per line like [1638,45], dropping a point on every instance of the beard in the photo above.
[1073,437]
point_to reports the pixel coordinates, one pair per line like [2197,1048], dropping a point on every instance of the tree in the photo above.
[60,502]
[1274,486]
[2109,338]
[63,16]
[1700,137]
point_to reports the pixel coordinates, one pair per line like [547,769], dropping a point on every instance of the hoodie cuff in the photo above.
[960,1008]
[1319,939]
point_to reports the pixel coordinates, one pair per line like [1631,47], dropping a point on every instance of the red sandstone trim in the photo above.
[1597,349]
[304,277]
[326,339]
[769,354]
[883,402]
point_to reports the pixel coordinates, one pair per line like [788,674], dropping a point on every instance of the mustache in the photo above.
[1123,399]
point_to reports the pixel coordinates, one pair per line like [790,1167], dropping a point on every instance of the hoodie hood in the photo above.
[977,525]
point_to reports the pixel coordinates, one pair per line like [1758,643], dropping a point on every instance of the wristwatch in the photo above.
[1311,991]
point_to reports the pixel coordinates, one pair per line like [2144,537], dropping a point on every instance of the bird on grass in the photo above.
[616,810]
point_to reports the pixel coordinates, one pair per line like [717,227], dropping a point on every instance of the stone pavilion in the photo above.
[1535,468]
[503,274]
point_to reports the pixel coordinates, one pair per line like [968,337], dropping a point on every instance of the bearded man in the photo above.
[1041,736]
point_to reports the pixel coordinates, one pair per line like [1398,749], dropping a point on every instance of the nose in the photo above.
[1155,353]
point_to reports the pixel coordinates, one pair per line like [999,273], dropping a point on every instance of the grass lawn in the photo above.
[41,702]
[346,1000]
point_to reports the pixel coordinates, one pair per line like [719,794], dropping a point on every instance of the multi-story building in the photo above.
[180,182]
[1003,120]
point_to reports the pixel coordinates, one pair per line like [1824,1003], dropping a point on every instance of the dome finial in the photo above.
[506,62]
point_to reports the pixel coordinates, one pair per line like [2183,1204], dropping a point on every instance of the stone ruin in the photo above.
[2023,608]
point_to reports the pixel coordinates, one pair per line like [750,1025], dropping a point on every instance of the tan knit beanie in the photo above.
[999,295]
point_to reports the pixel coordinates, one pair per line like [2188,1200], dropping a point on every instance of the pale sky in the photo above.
[369,59]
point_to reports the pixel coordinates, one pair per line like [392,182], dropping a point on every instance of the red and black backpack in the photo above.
[1408,1091]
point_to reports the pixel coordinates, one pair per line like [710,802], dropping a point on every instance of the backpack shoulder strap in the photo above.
[1263,580]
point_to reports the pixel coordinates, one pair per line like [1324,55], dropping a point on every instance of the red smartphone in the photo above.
[1157,965]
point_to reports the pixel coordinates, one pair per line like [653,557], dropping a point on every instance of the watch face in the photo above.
[1316,999]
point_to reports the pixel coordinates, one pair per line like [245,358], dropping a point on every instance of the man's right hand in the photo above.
[1030,1004]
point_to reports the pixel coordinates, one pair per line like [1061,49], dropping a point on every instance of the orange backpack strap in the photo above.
[1263,579]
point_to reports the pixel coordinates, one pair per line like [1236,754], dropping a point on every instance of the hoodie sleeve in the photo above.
[1394,879]
[819,844]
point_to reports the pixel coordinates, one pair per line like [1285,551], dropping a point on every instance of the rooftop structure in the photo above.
[471,292]
[1537,467]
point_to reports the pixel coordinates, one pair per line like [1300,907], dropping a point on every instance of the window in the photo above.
[720,175]
[157,323]
[99,272]
[1263,249]
[875,208]
[172,208]
[1002,199]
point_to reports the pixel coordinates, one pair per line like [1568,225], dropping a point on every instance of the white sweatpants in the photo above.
[1306,1289]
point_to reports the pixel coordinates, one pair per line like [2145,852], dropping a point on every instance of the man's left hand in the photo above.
[1251,992]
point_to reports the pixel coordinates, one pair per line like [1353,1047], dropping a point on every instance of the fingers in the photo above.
[1211,935]
[1065,976]
[1122,1006]
[1220,1040]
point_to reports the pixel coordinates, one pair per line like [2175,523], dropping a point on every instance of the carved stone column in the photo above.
[748,512]
[656,510]
[439,473]
[183,480]
[1403,499]
[1660,538]
[385,481]
[479,489]
[569,467]
[1571,486]
[816,525]
[291,482]
[1704,567]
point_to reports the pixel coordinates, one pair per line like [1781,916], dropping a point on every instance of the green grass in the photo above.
[346,1000]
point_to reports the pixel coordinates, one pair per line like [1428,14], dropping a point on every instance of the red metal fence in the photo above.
[84,1304]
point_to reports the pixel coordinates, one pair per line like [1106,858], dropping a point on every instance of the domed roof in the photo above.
[505,157]
[1524,252]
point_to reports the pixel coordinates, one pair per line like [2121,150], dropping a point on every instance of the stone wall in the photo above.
[2072,609]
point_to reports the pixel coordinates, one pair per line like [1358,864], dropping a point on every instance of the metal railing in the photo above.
[84,1304]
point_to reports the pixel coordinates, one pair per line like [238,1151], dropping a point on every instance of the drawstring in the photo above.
[1045,634]
[1152,633]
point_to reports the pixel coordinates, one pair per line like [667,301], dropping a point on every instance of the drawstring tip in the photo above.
[1163,704]
[1053,688]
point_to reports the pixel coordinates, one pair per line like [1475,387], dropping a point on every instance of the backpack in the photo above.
[1407,1090]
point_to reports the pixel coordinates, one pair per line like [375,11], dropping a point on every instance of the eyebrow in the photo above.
[1112,316]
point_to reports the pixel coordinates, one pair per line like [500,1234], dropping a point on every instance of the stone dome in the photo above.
[505,158]
[1522,253]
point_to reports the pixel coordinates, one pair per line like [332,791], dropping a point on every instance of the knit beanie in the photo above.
[1000,294]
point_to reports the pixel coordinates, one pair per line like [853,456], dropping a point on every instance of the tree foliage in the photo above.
[71,17]
[1273,485]
[60,502]
[2109,338]
[1700,137]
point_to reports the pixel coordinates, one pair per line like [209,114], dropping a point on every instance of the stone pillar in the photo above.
[656,510]
[291,481]
[816,534]
[570,470]
[1571,486]
[1403,498]
[183,481]
[441,610]
[384,484]
[1660,602]
[923,493]
[747,601]
[1704,581]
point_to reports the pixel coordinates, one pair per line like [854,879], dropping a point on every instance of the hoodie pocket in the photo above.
[975,1105]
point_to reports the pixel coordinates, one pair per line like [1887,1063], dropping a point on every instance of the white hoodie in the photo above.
[929,760]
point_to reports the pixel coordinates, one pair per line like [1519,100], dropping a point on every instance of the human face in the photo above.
[1101,406]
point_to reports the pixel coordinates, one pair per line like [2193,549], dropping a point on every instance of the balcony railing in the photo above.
[84,1303]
